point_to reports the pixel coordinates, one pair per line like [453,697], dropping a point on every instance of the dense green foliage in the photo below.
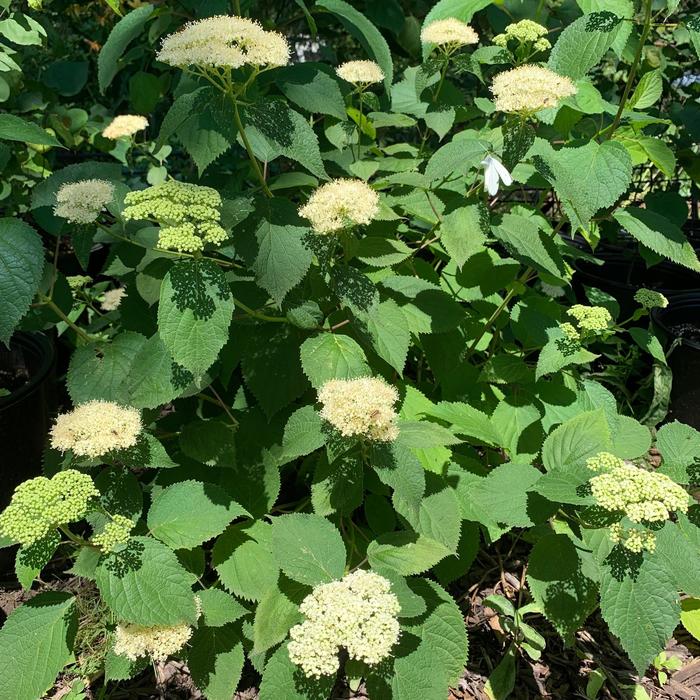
[224,316]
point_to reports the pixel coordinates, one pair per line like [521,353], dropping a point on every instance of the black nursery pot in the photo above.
[27,372]
[681,320]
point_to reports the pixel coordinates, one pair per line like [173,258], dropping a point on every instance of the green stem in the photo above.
[443,73]
[248,147]
[633,70]
[256,314]
[52,305]
[73,538]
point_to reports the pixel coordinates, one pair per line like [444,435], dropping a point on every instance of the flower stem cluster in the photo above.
[96,428]
[528,89]
[81,202]
[189,215]
[358,613]
[361,73]
[115,533]
[40,505]
[360,407]
[449,34]
[529,35]
[340,205]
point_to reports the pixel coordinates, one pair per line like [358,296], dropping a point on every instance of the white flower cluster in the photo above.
[341,204]
[528,89]
[95,428]
[358,613]
[360,72]
[124,125]
[112,298]
[361,407]
[224,41]
[524,32]
[81,202]
[450,33]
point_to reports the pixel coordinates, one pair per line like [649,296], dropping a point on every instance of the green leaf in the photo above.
[189,513]
[366,33]
[556,354]
[382,252]
[569,446]
[659,234]
[215,660]
[144,583]
[518,137]
[194,314]
[466,420]
[424,434]
[276,613]
[30,560]
[243,559]
[303,434]
[219,608]
[649,342]
[463,232]
[123,33]
[101,370]
[312,88]
[21,269]
[284,132]
[583,44]
[631,439]
[679,445]
[388,330]
[337,486]
[210,442]
[640,606]
[559,585]
[648,90]
[308,548]
[332,356]
[36,642]
[622,8]
[439,518]
[405,553]
[690,616]
[678,547]
[14,128]
[273,244]
[586,178]
[456,157]
[431,652]
[692,24]
[283,679]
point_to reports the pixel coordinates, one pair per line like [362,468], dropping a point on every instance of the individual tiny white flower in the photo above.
[360,72]
[124,125]
[495,173]
[112,298]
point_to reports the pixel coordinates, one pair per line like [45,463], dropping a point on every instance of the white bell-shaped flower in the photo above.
[495,173]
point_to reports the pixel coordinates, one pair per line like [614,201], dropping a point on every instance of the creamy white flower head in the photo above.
[95,428]
[449,32]
[81,202]
[224,41]
[358,613]
[495,173]
[360,72]
[528,89]
[112,298]
[361,407]
[158,643]
[341,204]
[124,125]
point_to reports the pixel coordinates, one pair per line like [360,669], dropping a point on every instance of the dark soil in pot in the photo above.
[26,407]
[680,322]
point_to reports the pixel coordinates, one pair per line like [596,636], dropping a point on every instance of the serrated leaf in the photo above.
[312,88]
[366,33]
[21,269]
[277,611]
[210,442]
[518,136]
[220,608]
[463,232]
[641,607]
[648,90]
[36,642]
[194,314]
[122,34]
[308,548]
[215,660]
[583,43]
[337,486]
[31,559]
[332,356]
[659,234]
[283,679]
[14,128]
[144,583]
[191,512]
[631,439]
[559,586]
[557,354]
[382,252]
[679,445]
[388,330]
[405,553]
[678,548]
[569,446]
[303,434]
[440,518]
[466,420]
[456,157]
[693,26]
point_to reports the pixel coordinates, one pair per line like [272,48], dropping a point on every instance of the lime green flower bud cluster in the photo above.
[189,215]
[639,495]
[590,319]
[525,32]
[650,299]
[40,505]
[78,281]
[571,340]
[115,533]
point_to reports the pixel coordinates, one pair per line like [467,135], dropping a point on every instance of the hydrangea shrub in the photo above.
[329,360]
